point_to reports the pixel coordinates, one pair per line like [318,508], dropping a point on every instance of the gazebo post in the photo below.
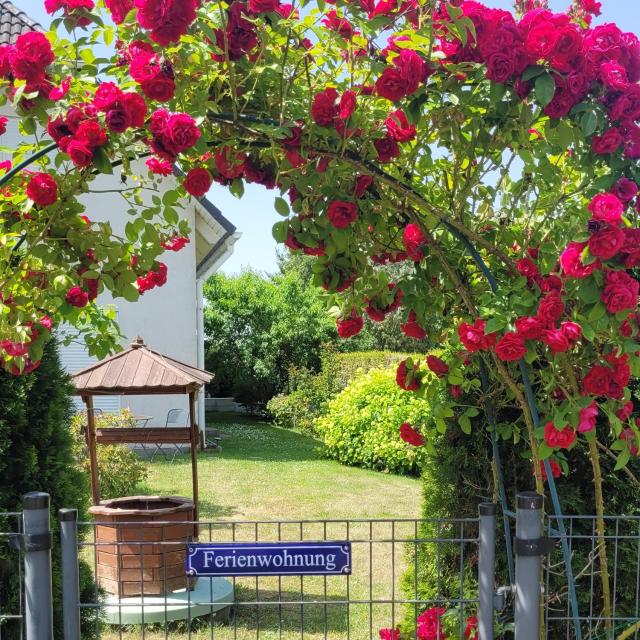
[91,444]
[195,436]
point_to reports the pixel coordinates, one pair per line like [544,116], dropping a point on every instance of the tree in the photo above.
[257,327]
[36,454]
[495,154]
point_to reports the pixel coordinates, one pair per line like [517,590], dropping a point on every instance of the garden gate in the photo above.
[400,570]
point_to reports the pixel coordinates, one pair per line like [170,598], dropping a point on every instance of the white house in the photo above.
[169,319]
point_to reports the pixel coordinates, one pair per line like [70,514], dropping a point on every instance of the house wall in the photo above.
[165,317]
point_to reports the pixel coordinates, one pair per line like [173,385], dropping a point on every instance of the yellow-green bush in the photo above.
[360,426]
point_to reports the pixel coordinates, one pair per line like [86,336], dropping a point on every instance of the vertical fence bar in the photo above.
[528,564]
[70,573]
[37,566]
[486,569]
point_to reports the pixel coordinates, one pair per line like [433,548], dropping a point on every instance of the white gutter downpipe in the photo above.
[200,341]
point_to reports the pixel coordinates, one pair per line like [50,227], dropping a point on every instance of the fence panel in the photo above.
[400,568]
[11,579]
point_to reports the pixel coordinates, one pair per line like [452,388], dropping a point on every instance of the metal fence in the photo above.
[11,578]
[432,579]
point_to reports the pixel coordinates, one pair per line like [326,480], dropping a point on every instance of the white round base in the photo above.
[208,596]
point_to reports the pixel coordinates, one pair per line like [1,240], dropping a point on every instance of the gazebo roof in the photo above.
[139,370]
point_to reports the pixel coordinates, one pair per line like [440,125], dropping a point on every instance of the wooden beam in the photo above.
[194,456]
[91,445]
[143,435]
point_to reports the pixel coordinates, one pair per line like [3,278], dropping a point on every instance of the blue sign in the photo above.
[269,559]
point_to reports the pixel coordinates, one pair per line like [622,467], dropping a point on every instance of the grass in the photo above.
[265,473]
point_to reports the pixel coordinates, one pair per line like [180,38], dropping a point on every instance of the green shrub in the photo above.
[36,454]
[361,424]
[120,470]
[311,392]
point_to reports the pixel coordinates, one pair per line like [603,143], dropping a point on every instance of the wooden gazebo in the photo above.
[139,370]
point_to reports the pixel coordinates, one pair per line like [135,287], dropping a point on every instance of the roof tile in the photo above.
[14,23]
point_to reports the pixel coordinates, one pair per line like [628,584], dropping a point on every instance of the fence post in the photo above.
[486,569]
[529,549]
[36,544]
[70,573]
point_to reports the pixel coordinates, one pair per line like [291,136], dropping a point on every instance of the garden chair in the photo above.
[173,418]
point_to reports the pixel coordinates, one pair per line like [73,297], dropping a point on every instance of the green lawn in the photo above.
[266,473]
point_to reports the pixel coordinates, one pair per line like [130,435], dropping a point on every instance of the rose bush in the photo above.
[495,153]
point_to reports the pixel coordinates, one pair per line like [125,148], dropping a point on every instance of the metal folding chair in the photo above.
[173,417]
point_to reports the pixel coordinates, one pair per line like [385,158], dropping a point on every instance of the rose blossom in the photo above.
[620,291]
[350,326]
[510,347]
[625,413]
[412,328]
[414,240]
[342,214]
[473,336]
[398,126]
[77,297]
[402,377]
[529,327]
[556,340]
[437,366]
[412,437]
[587,418]
[571,261]
[625,190]
[324,109]
[550,309]
[556,470]
[42,189]
[606,242]
[606,207]
[559,438]
[197,182]
[387,148]
[609,142]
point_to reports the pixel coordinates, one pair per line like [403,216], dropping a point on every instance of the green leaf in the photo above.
[236,188]
[465,424]
[597,312]
[101,161]
[532,72]
[280,230]
[623,459]
[589,123]
[544,451]
[495,324]
[545,89]
[130,293]
[282,207]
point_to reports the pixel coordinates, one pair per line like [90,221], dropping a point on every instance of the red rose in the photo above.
[562,103]
[614,75]
[407,380]
[620,291]
[587,418]
[556,340]
[528,268]
[608,142]
[629,435]
[180,133]
[30,56]
[387,149]
[391,85]
[398,126]
[606,207]
[596,382]
[117,120]
[342,213]
[338,24]
[198,182]
[77,297]
[473,336]
[347,105]
[159,167]
[91,133]
[175,243]
[606,242]
[80,153]
[262,6]
[556,470]
[572,331]
[500,66]
[362,185]
[118,9]
[626,107]
[42,189]
[571,261]
[412,437]
[350,326]
[550,309]
[229,162]
[437,366]
[166,21]
[529,327]
[324,109]
[106,96]
[558,438]
[414,240]
[625,413]
[550,284]
[412,69]
[625,190]
[510,347]
[412,328]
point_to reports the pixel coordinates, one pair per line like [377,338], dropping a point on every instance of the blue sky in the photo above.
[254,215]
